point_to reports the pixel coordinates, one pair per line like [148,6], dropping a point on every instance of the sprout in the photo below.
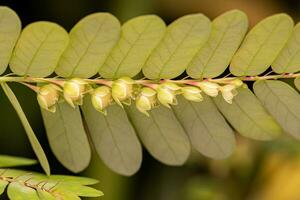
[192,93]
[122,90]
[101,98]
[146,100]
[48,96]
[166,94]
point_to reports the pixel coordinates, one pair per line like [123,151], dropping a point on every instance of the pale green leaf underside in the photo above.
[297,83]
[91,40]
[38,49]
[183,38]
[36,146]
[208,131]
[228,31]
[12,161]
[139,37]
[3,185]
[288,61]
[67,137]
[262,45]
[162,135]
[10,28]
[114,138]
[18,191]
[282,101]
[248,116]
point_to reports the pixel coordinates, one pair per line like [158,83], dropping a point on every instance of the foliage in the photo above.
[21,184]
[104,69]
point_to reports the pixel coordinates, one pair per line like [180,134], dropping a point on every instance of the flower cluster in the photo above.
[146,95]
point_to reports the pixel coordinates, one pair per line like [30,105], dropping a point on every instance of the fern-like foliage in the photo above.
[26,185]
[121,83]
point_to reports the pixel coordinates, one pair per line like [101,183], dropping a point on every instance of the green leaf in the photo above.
[228,31]
[18,191]
[183,38]
[282,101]
[91,40]
[38,49]
[248,116]
[288,61]
[3,185]
[44,195]
[80,190]
[208,131]
[74,179]
[12,161]
[10,28]
[37,148]
[262,45]
[67,137]
[114,138]
[139,37]
[162,135]
[297,83]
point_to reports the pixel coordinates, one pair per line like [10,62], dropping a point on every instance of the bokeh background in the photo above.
[256,171]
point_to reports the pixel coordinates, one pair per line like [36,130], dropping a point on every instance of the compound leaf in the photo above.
[114,138]
[262,45]
[37,148]
[282,101]
[91,40]
[248,116]
[67,137]
[18,191]
[288,61]
[208,131]
[10,28]
[38,49]
[139,37]
[228,31]
[162,135]
[183,38]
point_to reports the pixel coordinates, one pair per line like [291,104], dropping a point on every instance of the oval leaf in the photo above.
[282,101]
[67,137]
[247,115]
[162,135]
[12,161]
[38,49]
[18,191]
[262,45]
[297,83]
[139,37]
[228,31]
[183,38]
[114,138]
[10,28]
[91,40]
[208,131]
[288,61]
[36,146]
[3,185]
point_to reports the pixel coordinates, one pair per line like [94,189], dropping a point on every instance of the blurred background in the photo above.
[256,171]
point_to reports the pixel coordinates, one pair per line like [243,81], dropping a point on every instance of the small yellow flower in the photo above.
[74,90]
[237,82]
[192,93]
[101,98]
[209,88]
[122,90]
[48,96]
[166,94]
[146,100]
[228,92]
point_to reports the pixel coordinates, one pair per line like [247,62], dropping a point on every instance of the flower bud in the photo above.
[146,100]
[237,82]
[122,90]
[166,94]
[74,90]
[48,96]
[192,93]
[209,88]
[101,98]
[228,92]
